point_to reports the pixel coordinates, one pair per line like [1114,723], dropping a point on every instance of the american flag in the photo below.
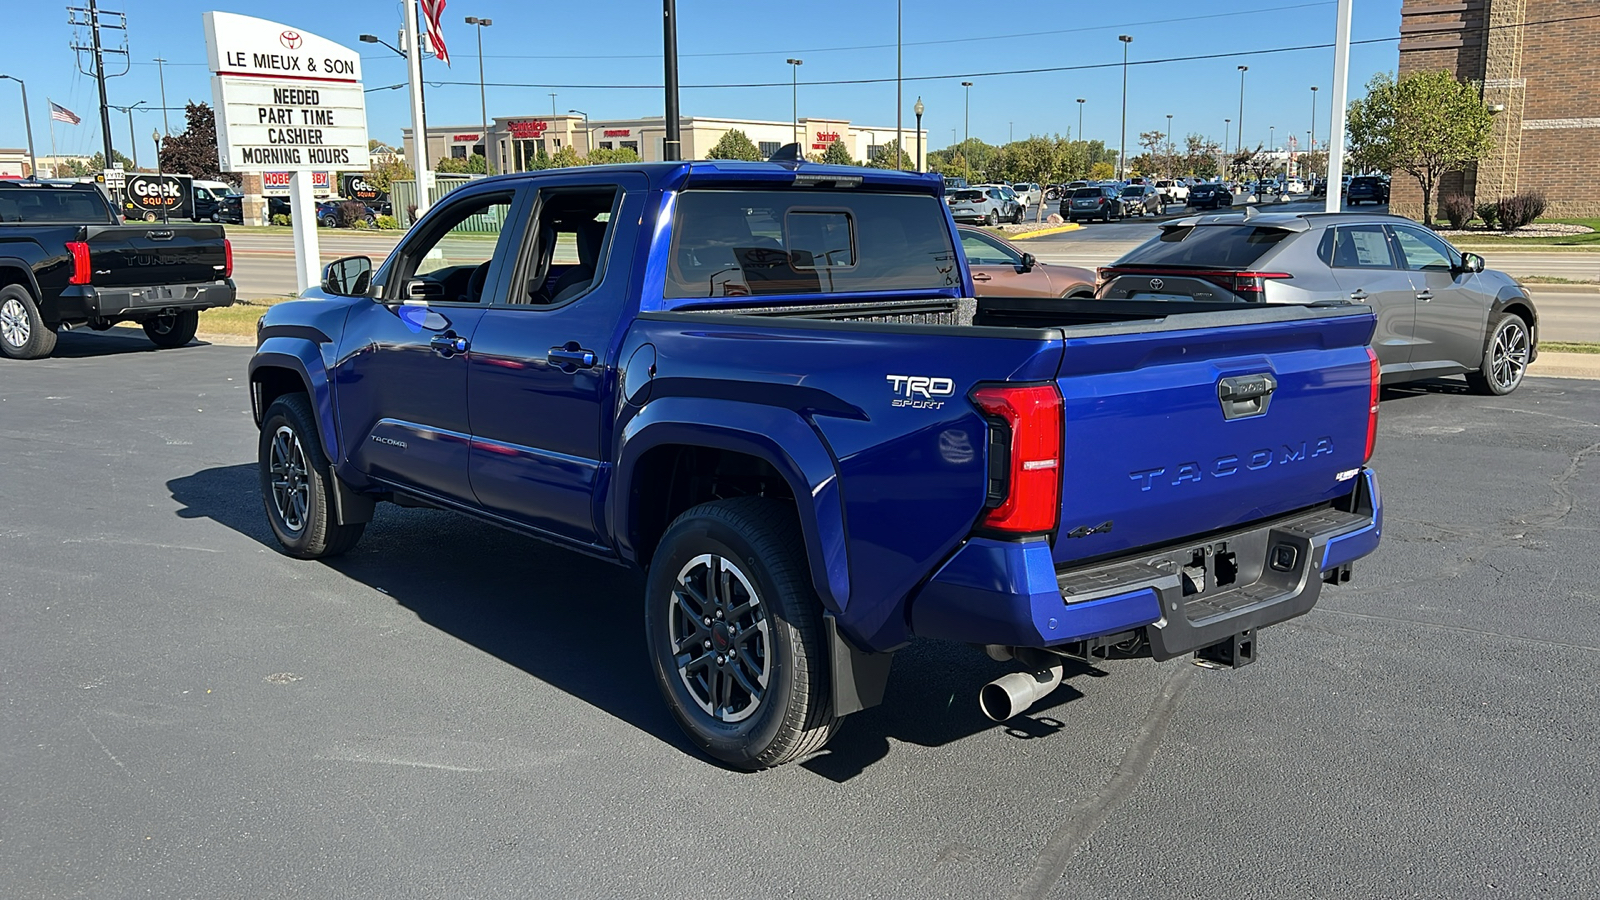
[431,11]
[61,114]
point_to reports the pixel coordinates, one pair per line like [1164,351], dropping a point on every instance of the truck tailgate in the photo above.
[1208,421]
[146,254]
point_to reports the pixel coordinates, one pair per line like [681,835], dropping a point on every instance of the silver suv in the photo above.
[1439,311]
[985,204]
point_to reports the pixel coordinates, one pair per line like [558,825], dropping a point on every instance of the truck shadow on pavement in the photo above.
[576,623]
[113,342]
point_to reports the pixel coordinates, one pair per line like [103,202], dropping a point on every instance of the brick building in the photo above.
[1539,64]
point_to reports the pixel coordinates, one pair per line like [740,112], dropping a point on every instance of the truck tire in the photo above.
[735,634]
[297,483]
[176,330]
[23,333]
[1505,359]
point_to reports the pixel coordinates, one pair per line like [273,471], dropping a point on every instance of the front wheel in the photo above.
[297,483]
[993,218]
[176,330]
[23,333]
[735,634]
[1505,360]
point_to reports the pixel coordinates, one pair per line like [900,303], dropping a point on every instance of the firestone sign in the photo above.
[286,99]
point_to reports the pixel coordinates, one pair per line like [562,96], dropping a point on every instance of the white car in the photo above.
[1295,186]
[1174,191]
[1028,192]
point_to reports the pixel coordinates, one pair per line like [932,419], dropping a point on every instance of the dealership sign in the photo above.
[285,99]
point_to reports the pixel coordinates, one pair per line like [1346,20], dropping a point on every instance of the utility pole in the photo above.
[27,121]
[899,72]
[672,145]
[1242,70]
[1341,87]
[161,74]
[1122,154]
[89,18]
[419,119]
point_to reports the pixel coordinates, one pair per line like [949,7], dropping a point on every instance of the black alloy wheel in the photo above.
[297,484]
[1505,359]
[174,330]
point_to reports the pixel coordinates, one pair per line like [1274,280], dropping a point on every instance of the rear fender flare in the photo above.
[778,436]
[27,280]
[301,357]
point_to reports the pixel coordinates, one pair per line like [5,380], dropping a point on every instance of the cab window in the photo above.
[983,252]
[449,262]
[571,235]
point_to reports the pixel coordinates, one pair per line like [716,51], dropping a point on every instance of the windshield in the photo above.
[1085,193]
[1218,246]
[751,243]
[1132,191]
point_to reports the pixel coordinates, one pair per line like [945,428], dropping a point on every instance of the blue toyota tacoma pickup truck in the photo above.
[769,385]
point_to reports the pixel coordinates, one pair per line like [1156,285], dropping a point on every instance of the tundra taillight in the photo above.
[1025,426]
[227,258]
[80,262]
[1374,389]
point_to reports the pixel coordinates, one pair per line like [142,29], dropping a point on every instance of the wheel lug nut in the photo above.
[719,613]
[720,660]
[708,621]
[708,645]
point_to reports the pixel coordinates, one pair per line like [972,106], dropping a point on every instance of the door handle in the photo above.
[571,355]
[979,276]
[448,344]
[1358,296]
[1425,296]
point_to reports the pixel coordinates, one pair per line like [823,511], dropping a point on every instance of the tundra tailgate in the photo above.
[1208,421]
[146,254]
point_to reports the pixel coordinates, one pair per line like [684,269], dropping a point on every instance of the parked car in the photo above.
[761,384]
[1267,189]
[69,261]
[1440,312]
[1174,191]
[1002,269]
[331,215]
[1101,202]
[1367,189]
[1028,192]
[1210,195]
[986,204]
[954,182]
[1140,200]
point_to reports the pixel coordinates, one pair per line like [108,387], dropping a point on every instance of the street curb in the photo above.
[1540,288]
[1566,365]
[1059,229]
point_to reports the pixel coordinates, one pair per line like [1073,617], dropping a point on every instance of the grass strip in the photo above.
[1568,347]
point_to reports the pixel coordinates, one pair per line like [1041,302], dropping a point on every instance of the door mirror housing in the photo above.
[1471,262]
[1029,261]
[347,277]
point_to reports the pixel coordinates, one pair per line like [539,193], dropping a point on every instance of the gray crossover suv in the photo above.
[1439,311]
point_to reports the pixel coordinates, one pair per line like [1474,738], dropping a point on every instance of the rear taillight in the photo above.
[80,262]
[1375,388]
[1025,431]
[1249,285]
[227,258]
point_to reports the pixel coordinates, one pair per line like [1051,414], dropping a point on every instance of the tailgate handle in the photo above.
[1243,396]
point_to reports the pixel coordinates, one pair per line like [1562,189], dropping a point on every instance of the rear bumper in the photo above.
[1010,593]
[83,302]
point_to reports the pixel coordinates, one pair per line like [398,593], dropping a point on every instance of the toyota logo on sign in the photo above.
[1156,284]
[291,40]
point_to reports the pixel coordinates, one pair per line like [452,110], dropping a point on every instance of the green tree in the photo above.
[1102,171]
[734,145]
[602,157]
[94,165]
[564,158]
[474,164]
[1426,124]
[837,154]
[385,168]
[1313,162]
[194,151]
[886,156]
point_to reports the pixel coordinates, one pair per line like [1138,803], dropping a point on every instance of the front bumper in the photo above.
[84,302]
[1010,592]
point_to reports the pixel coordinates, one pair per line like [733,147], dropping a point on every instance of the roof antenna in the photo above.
[1249,213]
[787,153]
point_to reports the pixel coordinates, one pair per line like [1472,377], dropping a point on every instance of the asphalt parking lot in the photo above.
[452,711]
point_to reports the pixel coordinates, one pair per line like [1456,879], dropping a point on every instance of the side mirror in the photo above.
[350,276]
[1471,262]
[1029,261]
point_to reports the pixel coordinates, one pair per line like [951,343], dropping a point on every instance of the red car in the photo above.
[1001,269]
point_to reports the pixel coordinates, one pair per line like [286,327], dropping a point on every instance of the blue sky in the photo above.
[584,45]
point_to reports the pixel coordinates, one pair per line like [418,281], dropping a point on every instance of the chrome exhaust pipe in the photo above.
[1011,695]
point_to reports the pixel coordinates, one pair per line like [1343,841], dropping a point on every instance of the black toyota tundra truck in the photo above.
[66,260]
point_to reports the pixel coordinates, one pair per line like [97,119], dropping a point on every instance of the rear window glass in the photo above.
[1224,246]
[967,195]
[1085,193]
[1132,191]
[755,243]
[52,206]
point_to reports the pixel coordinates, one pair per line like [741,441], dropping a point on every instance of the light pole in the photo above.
[968,138]
[899,72]
[1240,145]
[553,112]
[1169,145]
[419,114]
[1227,132]
[1122,154]
[794,98]
[33,161]
[918,109]
[156,137]
[1313,145]
[161,75]
[672,141]
[1272,138]
[133,143]
[483,100]
[588,137]
[1081,101]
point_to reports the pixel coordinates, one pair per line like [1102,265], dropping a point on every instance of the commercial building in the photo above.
[517,141]
[14,162]
[1540,72]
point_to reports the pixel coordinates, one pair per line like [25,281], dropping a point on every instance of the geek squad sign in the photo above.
[286,99]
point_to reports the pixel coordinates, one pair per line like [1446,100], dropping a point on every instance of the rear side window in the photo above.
[51,206]
[1222,246]
[759,243]
[1361,247]
[967,196]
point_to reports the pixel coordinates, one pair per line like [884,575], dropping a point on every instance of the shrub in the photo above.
[1520,209]
[361,224]
[388,222]
[281,219]
[1489,213]
[350,212]
[1457,209]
